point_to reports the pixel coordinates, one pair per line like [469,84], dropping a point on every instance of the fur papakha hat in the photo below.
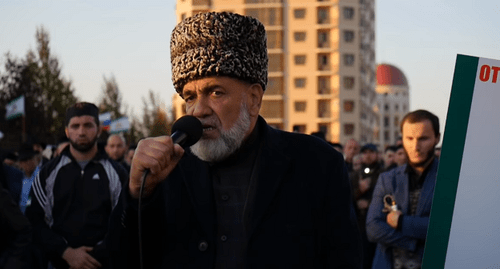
[218,44]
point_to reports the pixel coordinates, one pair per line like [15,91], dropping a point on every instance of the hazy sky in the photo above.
[130,40]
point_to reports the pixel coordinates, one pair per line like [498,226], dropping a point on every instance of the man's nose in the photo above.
[201,108]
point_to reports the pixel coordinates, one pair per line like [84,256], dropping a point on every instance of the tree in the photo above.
[47,94]
[155,121]
[111,99]
[161,125]
[57,92]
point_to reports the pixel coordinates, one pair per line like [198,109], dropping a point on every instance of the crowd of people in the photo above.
[399,169]
[246,195]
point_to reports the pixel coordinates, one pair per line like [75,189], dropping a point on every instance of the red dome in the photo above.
[390,75]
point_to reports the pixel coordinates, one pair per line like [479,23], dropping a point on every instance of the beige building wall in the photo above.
[321,75]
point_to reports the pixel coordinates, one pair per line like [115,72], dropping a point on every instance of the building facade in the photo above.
[393,102]
[322,73]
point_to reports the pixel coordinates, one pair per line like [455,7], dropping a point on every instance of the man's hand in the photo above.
[392,218]
[79,258]
[362,204]
[364,184]
[160,155]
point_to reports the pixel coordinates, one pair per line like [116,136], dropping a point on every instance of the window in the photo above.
[299,128]
[348,59]
[396,121]
[348,129]
[386,121]
[348,36]
[275,62]
[300,82]
[323,127]
[386,107]
[323,40]
[274,39]
[386,136]
[300,106]
[299,13]
[323,62]
[299,36]
[348,106]
[299,59]
[183,16]
[323,16]
[268,16]
[348,13]
[348,82]
[323,108]
[396,107]
[323,85]
[274,86]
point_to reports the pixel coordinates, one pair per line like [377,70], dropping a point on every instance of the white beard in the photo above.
[215,150]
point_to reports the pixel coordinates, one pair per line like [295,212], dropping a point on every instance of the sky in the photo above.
[130,41]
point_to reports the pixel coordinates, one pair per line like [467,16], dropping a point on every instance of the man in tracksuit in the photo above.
[74,194]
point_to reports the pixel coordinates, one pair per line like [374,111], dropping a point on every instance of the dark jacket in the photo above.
[12,180]
[301,215]
[15,234]
[412,234]
[71,207]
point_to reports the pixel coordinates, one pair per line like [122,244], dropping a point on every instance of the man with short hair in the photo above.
[400,157]
[115,148]
[398,216]
[351,149]
[245,195]
[74,194]
[30,162]
[129,155]
[389,155]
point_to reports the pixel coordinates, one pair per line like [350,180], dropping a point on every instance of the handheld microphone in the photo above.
[186,131]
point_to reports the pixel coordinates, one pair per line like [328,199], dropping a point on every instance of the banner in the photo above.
[15,108]
[463,229]
[119,125]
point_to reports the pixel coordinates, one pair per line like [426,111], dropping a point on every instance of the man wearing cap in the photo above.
[363,182]
[74,194]
[400,228]
[246,195]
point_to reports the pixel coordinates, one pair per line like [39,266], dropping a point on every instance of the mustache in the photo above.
[211,121]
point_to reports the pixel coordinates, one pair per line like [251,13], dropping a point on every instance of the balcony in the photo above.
[201,2]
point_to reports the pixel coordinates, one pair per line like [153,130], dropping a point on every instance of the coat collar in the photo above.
[271,164]
[402,186]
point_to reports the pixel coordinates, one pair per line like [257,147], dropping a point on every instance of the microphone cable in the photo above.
[139,216]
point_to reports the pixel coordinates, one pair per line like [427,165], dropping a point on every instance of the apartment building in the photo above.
[322,73]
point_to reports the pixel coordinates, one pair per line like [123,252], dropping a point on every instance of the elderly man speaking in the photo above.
[246,195]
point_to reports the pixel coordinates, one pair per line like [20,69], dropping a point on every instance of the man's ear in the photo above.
[254,102]
[66,132]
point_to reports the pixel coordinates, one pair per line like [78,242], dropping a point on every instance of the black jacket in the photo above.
[15,233]
[71,207]
[301,215]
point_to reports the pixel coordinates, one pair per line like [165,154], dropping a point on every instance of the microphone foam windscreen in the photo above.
[191,126]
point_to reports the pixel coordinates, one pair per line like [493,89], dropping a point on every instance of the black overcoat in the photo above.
[301,215]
